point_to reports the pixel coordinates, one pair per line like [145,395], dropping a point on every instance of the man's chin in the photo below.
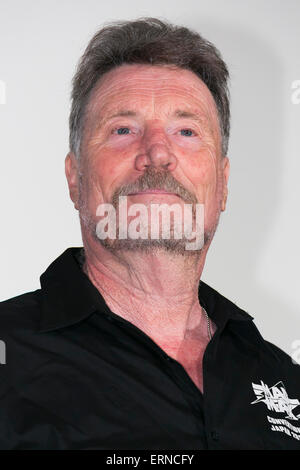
[147,246]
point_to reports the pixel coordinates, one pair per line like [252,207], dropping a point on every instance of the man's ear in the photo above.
[225,171]
[71,171]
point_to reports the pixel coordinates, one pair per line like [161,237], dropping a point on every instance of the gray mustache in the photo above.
[154,179]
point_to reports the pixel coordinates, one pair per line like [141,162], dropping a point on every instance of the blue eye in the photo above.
[122,130]
[186,132]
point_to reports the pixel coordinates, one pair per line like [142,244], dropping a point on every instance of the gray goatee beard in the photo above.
[151,179]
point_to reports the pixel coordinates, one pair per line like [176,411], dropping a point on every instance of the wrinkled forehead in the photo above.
[154,90]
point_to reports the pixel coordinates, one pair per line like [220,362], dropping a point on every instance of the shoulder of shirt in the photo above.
[282,355]
[21,311]
[250,332]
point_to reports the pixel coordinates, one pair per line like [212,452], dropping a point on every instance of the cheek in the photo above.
[202,168]
[107,171]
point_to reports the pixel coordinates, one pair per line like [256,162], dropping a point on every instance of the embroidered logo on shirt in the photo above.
[276,399]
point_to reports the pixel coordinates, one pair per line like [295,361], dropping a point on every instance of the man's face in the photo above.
[150,127]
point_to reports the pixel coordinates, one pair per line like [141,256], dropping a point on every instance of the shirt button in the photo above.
[214,435]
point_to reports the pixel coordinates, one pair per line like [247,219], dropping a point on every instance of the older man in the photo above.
[123,347]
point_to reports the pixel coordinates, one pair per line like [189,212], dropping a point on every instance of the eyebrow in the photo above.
[125,112]
[179,113]
[122,112]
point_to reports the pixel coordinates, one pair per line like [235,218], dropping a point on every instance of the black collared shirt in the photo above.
[78,376]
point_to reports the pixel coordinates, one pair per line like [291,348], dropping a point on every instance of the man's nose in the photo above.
[156,152]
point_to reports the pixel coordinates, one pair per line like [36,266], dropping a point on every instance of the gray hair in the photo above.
[148,41]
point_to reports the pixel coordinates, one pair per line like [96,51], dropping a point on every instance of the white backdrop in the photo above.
[255,255]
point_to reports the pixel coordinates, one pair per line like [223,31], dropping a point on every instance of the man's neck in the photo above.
[157,292]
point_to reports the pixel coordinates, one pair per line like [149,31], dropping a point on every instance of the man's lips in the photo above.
[152,191]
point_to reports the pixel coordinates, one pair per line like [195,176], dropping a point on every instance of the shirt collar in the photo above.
[68,296]
[219,308]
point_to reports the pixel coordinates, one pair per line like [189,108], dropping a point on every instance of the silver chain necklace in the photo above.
[208,323]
